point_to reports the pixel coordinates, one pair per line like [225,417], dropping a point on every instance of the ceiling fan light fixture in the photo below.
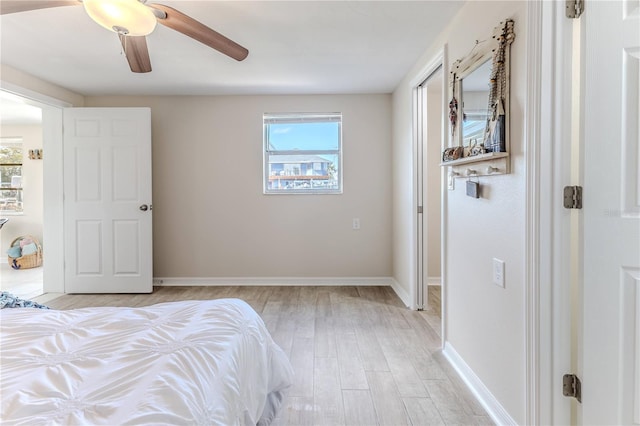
[130,17]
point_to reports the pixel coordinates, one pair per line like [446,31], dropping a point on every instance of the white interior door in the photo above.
[107,200]
[611,251]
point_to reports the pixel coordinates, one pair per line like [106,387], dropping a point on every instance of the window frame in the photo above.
[19,142]
[298,118]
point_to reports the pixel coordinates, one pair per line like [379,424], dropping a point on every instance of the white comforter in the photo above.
[194,362]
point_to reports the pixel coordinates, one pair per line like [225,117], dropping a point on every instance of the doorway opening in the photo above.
[430,115]
[21,196]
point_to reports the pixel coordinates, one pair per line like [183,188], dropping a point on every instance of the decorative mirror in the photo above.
[474,95]
[479,107]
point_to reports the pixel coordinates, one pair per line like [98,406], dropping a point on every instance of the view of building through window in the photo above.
[11,175]
[302,153]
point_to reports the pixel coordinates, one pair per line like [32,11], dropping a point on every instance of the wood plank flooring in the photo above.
[360,357]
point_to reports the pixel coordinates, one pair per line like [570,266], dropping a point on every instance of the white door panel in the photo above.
[611,254]
[107,175]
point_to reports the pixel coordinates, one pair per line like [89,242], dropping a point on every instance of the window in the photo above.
[302,153]
[11,175]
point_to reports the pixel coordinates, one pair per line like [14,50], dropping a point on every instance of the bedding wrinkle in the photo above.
[194,362]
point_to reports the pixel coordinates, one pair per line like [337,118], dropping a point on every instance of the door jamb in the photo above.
[547,251]
[439,60]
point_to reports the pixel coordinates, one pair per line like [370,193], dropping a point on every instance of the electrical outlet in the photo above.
[356,223]
[498,272]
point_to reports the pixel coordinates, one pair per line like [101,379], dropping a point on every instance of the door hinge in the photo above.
[574,8]
[572,197]
[571,386]
[419,209]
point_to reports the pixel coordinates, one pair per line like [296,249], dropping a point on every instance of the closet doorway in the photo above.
[430,134]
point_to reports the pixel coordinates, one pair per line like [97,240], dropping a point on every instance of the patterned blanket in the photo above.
[8,300]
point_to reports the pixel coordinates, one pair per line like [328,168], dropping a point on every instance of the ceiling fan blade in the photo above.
[188,26]
[15,6]
[135,49]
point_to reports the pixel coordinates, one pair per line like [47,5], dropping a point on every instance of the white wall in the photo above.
[485,323]
[211,218]
[30,222]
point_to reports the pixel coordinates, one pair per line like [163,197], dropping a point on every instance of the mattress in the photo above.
[191,362]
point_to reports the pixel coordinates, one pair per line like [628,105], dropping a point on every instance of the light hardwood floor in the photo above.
[360,357]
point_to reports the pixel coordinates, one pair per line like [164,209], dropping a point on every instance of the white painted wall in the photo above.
[30,221]
[211,218]
[485,323]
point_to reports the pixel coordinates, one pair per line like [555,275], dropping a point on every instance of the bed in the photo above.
[191,362]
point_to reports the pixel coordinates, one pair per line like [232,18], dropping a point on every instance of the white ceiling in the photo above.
[295,47]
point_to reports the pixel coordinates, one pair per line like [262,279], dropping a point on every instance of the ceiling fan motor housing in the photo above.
[115,15]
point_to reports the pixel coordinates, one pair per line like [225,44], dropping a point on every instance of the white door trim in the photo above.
[418,298]
[533,268]
[444,199]
[547,252]
[39,98]
[417,287]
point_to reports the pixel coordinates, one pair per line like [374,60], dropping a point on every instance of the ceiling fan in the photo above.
[133,20]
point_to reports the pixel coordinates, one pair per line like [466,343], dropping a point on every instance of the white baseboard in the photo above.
[269,281]
[402,294]
[489,402]
[434,281]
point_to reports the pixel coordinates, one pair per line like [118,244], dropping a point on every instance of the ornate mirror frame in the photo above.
[491,150]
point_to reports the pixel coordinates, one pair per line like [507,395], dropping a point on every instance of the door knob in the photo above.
[144,207]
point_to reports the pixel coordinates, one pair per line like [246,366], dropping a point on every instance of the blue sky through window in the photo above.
[305,136]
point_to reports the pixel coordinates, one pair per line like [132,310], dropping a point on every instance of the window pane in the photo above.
[303,172]
[302,153]
[11,174]
[11,200]
[304,136]
[10,152]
